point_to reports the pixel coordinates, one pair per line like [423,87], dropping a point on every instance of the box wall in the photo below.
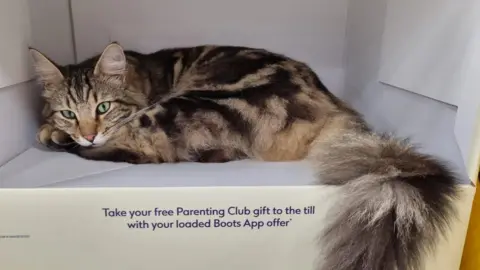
[428,122]
[18,109]
[52,31]
[308,30]
[20,103]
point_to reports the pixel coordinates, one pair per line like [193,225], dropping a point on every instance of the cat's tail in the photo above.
[397,202]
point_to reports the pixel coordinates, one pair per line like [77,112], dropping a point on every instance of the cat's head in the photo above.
[90,99]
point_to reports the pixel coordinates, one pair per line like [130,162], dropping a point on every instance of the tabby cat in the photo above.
[224,103]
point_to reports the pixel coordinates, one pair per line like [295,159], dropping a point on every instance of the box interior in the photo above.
[41,168]
[342,40]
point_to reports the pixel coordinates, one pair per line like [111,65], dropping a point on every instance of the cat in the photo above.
[215,103]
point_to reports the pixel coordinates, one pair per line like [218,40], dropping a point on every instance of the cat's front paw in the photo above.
[54,139]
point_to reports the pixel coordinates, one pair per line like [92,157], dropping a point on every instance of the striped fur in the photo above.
[223,103]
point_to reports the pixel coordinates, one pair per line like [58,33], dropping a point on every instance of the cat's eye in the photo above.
[68,114]
[103,107]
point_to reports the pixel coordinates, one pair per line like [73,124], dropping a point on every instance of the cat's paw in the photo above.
[54,139]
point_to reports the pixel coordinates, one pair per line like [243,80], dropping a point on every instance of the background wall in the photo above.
[309,30]
[426,121]
[52,29]
[424,46]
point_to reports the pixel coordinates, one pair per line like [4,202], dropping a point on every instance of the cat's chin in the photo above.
[92,145]
[100,140]
[97,145]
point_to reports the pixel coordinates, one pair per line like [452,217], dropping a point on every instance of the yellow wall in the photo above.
[471,252]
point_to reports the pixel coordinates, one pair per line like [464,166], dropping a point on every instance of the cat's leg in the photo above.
[111,154]
[55,139]
[211,156]
[217,155]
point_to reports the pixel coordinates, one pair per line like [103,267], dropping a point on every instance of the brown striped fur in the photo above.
[253,102]
[223,103]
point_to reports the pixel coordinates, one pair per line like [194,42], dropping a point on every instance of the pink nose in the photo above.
[90,138]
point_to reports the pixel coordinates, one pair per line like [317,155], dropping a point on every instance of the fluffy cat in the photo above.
[223,103]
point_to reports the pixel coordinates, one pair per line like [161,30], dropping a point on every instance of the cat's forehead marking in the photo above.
[78,86]
[87,87]
[71,91]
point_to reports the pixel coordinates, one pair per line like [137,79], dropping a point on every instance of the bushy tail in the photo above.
[397,202]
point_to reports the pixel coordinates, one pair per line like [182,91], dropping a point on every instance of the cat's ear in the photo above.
[112,62]
[46,70]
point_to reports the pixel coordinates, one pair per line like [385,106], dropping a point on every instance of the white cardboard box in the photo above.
[52,204]
[62,212]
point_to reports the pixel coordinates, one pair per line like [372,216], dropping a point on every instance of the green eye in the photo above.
[103,107]
[68,114]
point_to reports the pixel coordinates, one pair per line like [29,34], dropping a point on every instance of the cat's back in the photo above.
[223,67]
[208,57]
[240,76]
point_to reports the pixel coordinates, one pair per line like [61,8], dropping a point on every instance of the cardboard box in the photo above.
[60,212]
[238,215]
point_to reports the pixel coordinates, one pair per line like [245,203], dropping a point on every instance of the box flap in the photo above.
[188,174]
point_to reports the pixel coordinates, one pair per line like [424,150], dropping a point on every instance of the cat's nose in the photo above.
[90,138]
